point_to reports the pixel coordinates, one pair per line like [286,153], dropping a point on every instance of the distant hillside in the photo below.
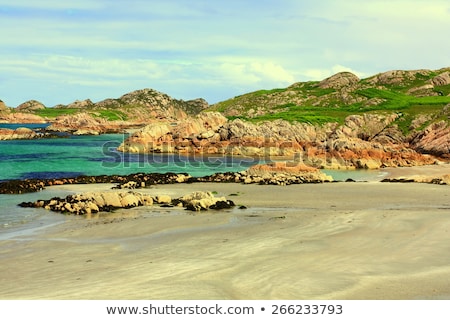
[139,106]
[411,94]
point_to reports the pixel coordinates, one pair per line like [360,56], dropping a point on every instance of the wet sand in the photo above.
[317,241]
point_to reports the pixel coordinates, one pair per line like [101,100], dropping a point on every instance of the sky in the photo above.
[60,51]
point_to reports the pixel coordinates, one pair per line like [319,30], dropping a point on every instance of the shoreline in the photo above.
[362,240]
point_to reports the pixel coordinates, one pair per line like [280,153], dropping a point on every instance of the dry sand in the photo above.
[326,241]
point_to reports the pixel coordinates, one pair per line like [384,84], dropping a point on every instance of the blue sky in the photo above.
[60,51]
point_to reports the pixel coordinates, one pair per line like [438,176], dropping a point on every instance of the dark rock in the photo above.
[219,205]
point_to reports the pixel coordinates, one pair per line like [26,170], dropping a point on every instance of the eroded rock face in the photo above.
[442,79]
[435,140]
[169,137]
[364,141]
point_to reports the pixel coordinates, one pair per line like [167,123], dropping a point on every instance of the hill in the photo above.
[416,94]
[138,106]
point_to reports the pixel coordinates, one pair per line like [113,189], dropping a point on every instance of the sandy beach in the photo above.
[315,241]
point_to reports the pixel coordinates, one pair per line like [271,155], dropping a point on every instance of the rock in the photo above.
[30,106]
[199,200]
[21,117]
[130,200]
[93,202]
[182,135]
[442,79]
[163,199]
[339,80]
[284,173]
[446,179]
[434,139]
[3,107]
[19,133]
[112,199]
[219,205]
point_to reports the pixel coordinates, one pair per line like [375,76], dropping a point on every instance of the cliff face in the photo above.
[367,141]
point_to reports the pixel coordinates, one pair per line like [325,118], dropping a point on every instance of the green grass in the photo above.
[55,112]
[408,106]
[112,115]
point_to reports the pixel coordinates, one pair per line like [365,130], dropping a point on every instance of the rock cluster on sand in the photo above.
[94,202]
[276,173]
[442,180]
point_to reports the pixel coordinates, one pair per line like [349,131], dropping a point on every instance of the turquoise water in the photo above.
[97,155]
[28,125]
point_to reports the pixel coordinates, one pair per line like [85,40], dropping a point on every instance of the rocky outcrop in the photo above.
[145,104]
[339,80]
[3,107]
[30,106]
[94,202]
[86,124]
[442,79]
[182,136]
[396,77]
[364,141]
[20,117]
[284,173]
[19,133]
[434,139]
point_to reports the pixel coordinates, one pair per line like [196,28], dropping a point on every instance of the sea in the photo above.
[71,156]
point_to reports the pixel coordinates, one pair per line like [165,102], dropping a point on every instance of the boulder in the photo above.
[163,199]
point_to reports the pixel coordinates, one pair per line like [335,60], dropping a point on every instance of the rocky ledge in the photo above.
[94,202]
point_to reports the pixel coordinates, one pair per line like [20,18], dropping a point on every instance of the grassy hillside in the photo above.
[408,93]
